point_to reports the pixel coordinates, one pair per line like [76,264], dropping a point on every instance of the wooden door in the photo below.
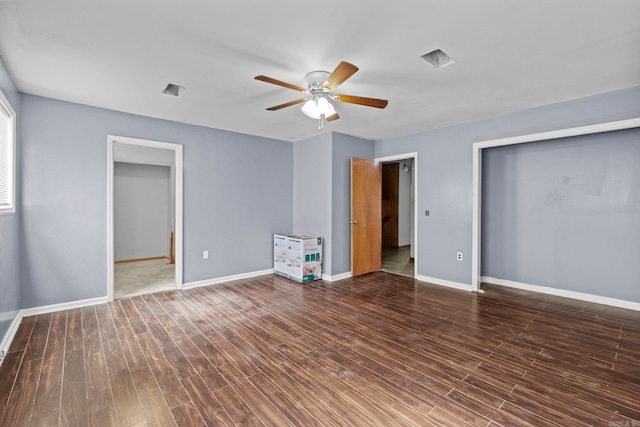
[390,190]
[366,216]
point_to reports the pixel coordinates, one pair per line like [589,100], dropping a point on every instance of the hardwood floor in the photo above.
[378,350]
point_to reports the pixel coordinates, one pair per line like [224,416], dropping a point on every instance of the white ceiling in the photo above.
[511,55]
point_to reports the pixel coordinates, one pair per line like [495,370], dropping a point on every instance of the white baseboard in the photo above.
[8,336]
[418,277]
[336,277]
[443,282]
[26,312]
[598,299]
[225,279]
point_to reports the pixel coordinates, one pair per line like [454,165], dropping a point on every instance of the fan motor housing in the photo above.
[316,79]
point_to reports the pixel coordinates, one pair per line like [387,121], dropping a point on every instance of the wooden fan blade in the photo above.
[369,102]
[280,83]
[333,117]
[343,71]
[288,104]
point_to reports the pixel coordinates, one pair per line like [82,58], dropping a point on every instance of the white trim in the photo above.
[476,236]
[110,226]
[476,241]
[396,157]
[416,183]
[337,277]
[443,282]
[225,279]
[177,149]
[8,336]
[631,305]
[561,133]
[26,312]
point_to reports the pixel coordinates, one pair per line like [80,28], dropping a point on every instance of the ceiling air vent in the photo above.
[175,90]
[438,59]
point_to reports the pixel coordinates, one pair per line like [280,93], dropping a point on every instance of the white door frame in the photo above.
[177,149]
[476,238]
[414,156]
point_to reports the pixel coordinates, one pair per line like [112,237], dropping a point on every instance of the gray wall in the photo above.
[444,186]
[9,229]
[322,193]
[141,212]
[445,164]
[344,147]
[565,213]
[231,204]
[312,192]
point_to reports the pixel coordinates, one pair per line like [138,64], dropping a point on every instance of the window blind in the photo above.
[6,157]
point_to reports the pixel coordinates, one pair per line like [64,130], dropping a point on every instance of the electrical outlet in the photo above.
[205,254]
[426,213]
[459,256]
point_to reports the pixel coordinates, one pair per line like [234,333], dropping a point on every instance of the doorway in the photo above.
[397,214]
[365,243]
[144,216]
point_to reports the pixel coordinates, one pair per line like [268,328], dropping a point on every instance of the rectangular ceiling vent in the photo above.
[175,90]
[438,59]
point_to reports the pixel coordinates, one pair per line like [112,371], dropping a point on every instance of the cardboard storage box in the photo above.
[297,256]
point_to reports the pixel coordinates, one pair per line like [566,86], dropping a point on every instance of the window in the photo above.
[7,156]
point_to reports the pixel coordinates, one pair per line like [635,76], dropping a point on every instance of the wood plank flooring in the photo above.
[378,350]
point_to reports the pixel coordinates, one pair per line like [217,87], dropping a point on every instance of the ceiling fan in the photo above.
[321,86]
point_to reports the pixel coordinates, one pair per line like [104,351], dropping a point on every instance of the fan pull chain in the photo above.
[321,122]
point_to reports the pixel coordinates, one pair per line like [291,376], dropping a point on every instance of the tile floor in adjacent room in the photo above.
[143,277]
[398,261]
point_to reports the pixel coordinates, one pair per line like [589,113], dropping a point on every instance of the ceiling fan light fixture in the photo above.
[321,85]
[309,108]
[323,105]
[316,107]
